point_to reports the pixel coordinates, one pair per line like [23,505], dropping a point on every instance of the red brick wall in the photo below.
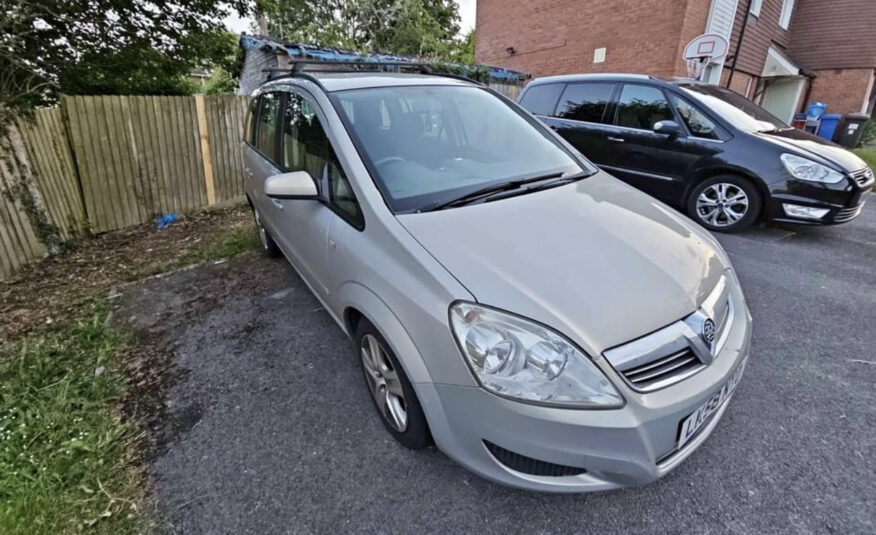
[843,90]
[743,83]
[839,34]
[559,36]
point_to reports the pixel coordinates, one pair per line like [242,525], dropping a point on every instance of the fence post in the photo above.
[205,149]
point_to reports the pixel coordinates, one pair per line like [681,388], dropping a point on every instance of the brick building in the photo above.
[782,53]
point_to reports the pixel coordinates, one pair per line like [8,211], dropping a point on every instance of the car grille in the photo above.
[677,351]
[847,214]
[681,363]
[863,176]
[528,465]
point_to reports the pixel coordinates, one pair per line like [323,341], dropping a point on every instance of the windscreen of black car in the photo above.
[734,108]
[585,101]
[430,144]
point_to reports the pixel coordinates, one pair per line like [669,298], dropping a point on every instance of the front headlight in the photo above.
[804,169]
[521,359]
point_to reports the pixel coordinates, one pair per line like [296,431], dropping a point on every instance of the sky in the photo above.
[238,24]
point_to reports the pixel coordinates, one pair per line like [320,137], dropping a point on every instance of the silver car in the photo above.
[546,325]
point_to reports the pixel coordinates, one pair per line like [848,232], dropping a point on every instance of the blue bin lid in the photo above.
[831,117]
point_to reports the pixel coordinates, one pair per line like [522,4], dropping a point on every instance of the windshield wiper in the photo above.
[561,181]
[481,193]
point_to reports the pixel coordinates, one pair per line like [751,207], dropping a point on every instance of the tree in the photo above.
[426,28]
[101,46]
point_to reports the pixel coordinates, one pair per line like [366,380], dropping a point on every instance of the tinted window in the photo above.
[698,124]
[427,145]
[585,102]
[640,106]
[306,147]
[541,99]
[266,129]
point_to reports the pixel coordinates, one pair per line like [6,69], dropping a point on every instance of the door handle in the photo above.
[616,139]
[277,203]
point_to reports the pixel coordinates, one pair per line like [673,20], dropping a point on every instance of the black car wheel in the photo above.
[269,246]
[725,203]
[392,393]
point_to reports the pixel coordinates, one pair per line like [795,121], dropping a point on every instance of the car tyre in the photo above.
[725,203]
[269,246]
[390,390]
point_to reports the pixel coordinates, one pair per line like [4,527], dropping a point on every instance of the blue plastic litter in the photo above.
[165,221]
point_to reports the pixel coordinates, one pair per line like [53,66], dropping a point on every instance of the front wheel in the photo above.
[392,393]
[725,203]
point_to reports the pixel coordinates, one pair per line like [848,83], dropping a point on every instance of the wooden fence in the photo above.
[108,162]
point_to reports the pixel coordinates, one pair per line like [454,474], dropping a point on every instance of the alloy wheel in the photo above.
[722,204]
[384,384]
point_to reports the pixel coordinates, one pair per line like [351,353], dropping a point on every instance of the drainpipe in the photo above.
[739,43]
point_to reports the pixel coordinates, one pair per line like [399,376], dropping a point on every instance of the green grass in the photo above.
[235,241]
[868,155]
[64,465]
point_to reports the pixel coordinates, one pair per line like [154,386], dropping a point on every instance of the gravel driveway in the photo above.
[266,426]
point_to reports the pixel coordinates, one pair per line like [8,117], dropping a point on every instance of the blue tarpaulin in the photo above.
[304,51]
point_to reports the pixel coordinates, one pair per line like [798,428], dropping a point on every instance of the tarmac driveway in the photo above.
[265,425]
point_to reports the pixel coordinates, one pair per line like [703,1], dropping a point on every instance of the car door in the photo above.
[260,153]
[640,156]
[302,225]
[581,115]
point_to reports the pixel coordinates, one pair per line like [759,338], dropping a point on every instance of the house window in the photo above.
[754,7]
[785,17]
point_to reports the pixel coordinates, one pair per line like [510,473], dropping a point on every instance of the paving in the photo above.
[266,425]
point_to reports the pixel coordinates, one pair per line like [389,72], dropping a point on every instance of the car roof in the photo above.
[342,81]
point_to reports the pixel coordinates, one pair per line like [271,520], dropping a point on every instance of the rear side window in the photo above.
[266,127]
[640,106]
[585,102]
[541,99]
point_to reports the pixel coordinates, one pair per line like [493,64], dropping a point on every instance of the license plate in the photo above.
[699,418]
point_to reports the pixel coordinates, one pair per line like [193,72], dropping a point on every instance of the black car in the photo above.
[702,148]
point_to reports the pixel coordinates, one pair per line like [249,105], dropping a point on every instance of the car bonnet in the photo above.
[598,260]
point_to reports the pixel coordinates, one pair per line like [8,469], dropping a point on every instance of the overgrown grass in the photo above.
[868,155]
[64,465]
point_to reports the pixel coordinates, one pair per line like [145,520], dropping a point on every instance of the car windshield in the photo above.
[734,108]
[428,145]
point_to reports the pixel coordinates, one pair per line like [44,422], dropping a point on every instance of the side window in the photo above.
[266,128]
[698,124]
[640,106]
[253,111]
[585,102]
[541,99]
[306,147]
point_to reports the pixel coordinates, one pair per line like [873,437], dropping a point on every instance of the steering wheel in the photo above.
[389,159]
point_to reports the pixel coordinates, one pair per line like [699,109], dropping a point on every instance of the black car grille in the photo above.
[847,214]
[863,176]
[648,374]
[528,465]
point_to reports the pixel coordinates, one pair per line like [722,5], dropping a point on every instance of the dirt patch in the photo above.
[55,287]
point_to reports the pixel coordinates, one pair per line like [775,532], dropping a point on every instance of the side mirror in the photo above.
[294,185]
[670,128]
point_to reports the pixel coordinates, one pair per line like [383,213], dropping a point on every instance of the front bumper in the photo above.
[844,200]
[632,445]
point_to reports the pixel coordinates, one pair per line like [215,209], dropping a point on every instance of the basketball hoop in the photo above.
[702,50]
